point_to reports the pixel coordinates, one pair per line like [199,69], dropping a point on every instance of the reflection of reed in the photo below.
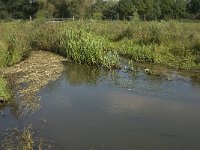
[80,74]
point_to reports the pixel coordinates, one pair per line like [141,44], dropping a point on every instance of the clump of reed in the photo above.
[14,47]
[136,52]
[86,47]
[4,57]
[18,47]
[5,92]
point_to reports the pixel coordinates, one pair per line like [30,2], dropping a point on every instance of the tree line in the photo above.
[101,9]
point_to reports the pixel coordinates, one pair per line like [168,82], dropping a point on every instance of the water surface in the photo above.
[95,109]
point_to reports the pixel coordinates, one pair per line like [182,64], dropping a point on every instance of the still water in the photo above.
[94,109]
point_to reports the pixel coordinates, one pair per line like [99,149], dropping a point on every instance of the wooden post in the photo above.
[30,18]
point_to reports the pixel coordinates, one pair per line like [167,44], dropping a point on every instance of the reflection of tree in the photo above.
[195,79]
[80,74]
[3,106]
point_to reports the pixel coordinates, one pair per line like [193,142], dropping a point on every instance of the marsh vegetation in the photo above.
[102,43]
[88,48]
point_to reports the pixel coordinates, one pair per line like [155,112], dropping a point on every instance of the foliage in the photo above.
[20,9]
[98,43]
[100,9]
[76,44]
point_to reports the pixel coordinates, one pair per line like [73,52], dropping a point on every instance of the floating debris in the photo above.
[169,78]
[32,75]
[147,71]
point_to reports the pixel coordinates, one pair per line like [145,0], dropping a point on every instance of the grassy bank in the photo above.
[100,43]
[170,43]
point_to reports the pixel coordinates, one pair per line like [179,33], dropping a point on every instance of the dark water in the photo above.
[92,109]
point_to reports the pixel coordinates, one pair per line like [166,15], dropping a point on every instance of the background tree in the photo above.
[193,7]
[125,9]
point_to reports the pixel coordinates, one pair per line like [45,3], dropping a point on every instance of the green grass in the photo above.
[14,43]
[5,93]
[4,57]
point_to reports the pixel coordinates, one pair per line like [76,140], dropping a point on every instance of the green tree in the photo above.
[194,6]
[125,9]
[46,9]
[179,9]
[156,10]
[20,9]
[166,9]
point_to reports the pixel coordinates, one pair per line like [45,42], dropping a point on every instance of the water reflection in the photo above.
[90,108]
[182,86]
[100,117]
[81,74]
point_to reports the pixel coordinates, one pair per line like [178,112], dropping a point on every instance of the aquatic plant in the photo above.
[136,52]
[75,44]
[25,139]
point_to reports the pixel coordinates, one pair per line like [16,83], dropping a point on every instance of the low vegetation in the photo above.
[100,43]
[76,44]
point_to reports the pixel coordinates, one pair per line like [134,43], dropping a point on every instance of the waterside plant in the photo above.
[5,92]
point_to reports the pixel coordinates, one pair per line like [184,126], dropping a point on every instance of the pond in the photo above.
[96,109]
